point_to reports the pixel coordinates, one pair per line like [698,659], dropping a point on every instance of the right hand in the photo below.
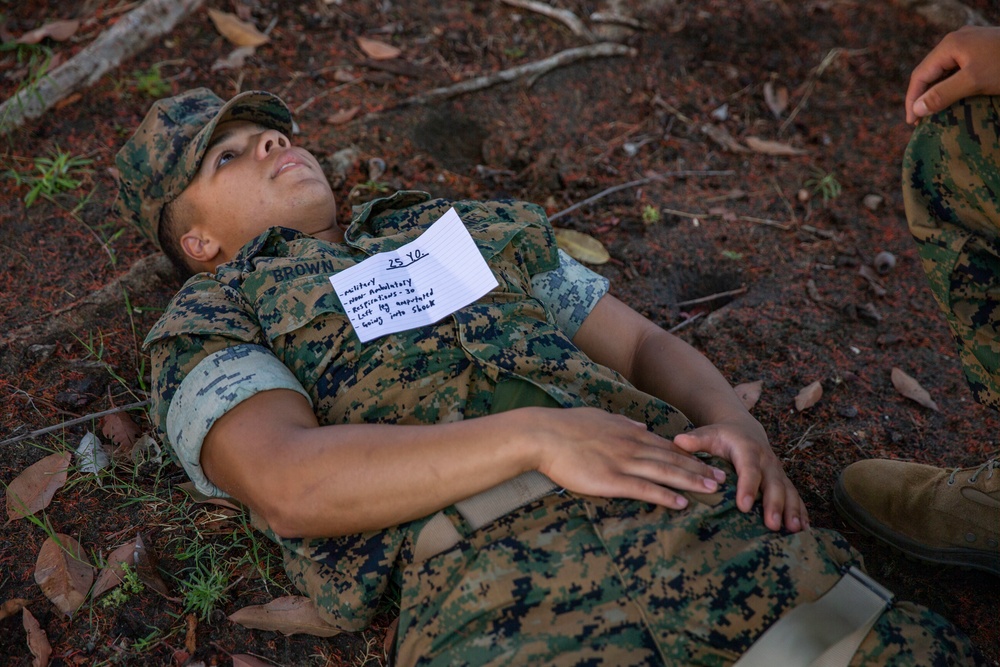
[592,452]
[971,55]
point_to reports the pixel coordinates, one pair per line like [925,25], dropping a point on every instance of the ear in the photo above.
[200,247]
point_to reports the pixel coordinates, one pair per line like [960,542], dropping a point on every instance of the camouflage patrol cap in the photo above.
[164,154]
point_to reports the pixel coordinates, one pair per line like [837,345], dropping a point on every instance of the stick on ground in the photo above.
[130,35]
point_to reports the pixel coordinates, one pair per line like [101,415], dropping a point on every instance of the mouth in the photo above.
[286,161]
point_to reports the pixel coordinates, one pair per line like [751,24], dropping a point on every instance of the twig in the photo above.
[636,183]
[564,16]
[74,422]
[814,76]
[660,102]
[130,35]
[766,221]
[788,204]
[684,214]
[683,324]
[824,233]
[712,297]
[604,49]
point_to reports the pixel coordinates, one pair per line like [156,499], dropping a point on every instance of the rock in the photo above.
[872,202]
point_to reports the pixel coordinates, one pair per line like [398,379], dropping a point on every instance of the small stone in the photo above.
[803,195]
[872,202]
[884,262]
[721,112]
[847,411]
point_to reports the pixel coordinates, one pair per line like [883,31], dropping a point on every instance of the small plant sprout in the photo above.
[150,82]
[51,175]
[130,585]
[824,184]
[650,215]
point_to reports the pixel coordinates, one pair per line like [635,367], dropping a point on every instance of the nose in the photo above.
[269,140]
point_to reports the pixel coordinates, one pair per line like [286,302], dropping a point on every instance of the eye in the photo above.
[224,157]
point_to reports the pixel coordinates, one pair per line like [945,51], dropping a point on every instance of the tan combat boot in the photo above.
[943,516]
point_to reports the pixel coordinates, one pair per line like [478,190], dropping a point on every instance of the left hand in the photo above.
[745,445]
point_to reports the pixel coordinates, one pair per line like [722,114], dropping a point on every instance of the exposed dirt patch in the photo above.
[570,134]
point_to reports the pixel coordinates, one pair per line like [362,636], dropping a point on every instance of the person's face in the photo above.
[252,178]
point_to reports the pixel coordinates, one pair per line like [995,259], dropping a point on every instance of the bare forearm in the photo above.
[668,367]
[334,480]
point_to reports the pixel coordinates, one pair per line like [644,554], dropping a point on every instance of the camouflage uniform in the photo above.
[951,188]
[565,580]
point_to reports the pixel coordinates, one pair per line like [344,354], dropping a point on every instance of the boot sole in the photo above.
[858,517]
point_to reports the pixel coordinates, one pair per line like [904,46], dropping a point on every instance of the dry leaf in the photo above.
[582,247]
[377,50]
[90,454]
[62,573]
[145,561]
[289,615]
[121,430]
[199,497]
[343,116]
[775,98]
[113,573]
[244,660]
[749,393]
[146,449]
[721,136]
[912,390]
[236,58]
[240,33]
[58,31]
[758,145]
[191,637]
[11,607]
[808,396]
[38,642]
[33,489]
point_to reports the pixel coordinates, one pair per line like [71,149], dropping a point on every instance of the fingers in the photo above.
[942,95]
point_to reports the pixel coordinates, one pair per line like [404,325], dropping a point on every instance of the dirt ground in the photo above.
[803,311]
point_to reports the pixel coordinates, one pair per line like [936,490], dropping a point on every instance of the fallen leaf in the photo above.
[377,50]
[911,389]
[749,393]
[808,396]
[758,145]
[775,98]
[813,291]
[236,58]
[199,497]
[191,637]
[69,100]
[33,489]
[113,573]
[62,572]
[145,562]
[146,449]
[721,136]
[11,607]
[58,31]
[90,454]
[244,660]
[121,430]
[343,116]
[289,615]
[240,33]
[582,247]
[38,642]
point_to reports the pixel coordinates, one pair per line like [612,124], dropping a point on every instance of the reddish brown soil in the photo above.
[572,133]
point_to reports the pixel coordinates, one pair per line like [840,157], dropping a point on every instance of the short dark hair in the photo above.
[168,234]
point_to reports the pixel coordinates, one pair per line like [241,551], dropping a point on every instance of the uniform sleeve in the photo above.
[208,355]
[569,292]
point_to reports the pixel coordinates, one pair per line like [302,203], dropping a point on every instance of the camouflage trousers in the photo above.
[951,189]
[570,580]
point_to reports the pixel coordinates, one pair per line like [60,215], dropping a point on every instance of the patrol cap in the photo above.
[161,158]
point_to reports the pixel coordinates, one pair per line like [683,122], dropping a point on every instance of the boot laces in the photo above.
[989,467]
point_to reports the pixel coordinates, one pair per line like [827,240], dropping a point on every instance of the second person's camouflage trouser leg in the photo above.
[951,188]
[572,580]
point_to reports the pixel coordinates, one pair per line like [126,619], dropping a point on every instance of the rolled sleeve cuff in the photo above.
[220,382]
[569,292]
